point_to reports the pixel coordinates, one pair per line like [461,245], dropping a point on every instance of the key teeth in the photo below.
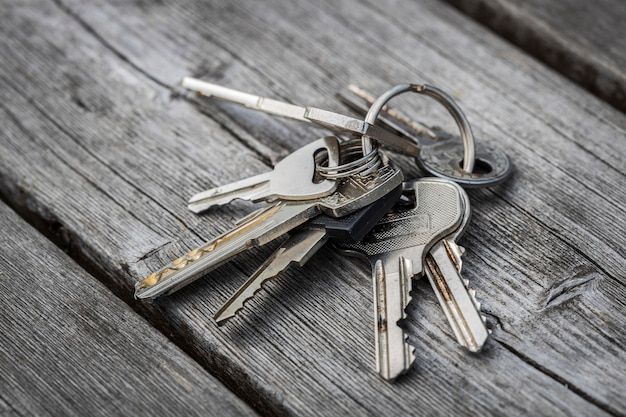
[455,252]
[412,351]
[220,321]
[412,348]
[472,293]
[477,303]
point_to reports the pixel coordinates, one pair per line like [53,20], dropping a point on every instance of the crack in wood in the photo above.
[557,236]
[76,140]
[580,282]
[153,251]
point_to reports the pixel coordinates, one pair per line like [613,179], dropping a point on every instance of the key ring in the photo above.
[349,150]
[467,136]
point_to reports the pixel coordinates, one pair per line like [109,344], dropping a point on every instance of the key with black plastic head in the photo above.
[303,243]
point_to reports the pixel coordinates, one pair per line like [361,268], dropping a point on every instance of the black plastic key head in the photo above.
[353,227]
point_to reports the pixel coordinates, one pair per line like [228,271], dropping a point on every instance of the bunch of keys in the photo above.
[348,192]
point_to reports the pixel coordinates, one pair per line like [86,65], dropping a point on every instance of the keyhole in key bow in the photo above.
[481,167]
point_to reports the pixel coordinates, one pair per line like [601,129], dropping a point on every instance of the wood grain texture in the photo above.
[71,348]
[100,145]
[585,41]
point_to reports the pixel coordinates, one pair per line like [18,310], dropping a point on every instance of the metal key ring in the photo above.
[459,117]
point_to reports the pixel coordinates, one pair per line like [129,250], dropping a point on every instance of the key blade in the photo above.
[267,225]
[253,186]
[457,301]
[250,101]
[297,249]
[392,284]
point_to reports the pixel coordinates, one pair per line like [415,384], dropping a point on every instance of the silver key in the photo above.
[267,224]
[297,249]
[291,179]
[303,243]
[443,269]
[334,121]
[396,247]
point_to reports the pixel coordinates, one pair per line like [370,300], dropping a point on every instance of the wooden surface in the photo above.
[585,41]
[101,149]
[71,348]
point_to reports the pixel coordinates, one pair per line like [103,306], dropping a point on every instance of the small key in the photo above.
[291,179]
[334,121]
[265,225]
[303,243]
[396,248]
[462,309]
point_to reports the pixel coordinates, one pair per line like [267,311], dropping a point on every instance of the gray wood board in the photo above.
[99,142]
[586,41]
[69,347]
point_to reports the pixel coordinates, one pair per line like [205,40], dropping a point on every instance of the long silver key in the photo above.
[263,226]
[396,248]
[303,243]
[334,121]
[291,179]
[458,301]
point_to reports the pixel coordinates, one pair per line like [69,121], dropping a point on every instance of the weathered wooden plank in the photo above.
[104,152]
[583,40]
[70,347]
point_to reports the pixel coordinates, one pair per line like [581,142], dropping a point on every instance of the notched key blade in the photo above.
[297,249]
[457,300]
[392,286]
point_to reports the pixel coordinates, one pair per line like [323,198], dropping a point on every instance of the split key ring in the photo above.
[444,156]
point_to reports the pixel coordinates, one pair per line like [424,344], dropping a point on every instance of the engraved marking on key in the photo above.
[396,247]
[352,193]
[291,179]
